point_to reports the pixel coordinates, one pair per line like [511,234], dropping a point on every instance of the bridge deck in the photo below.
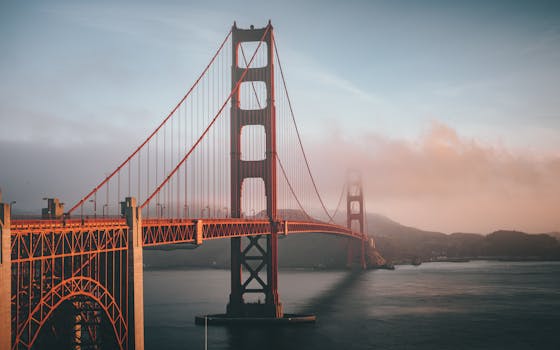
[162,231]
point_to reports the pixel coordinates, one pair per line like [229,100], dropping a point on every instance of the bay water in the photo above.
[444,305]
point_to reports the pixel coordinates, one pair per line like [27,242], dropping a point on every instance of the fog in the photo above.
[439,181]
[445,182]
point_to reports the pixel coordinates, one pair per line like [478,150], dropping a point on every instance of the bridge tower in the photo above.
[355,215]
[260,253]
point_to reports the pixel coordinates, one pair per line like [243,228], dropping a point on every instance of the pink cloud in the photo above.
[443,181]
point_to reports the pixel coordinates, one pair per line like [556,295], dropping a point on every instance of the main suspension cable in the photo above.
[277,156]
[339,201]
[209,125]
[107,178]
[331,220]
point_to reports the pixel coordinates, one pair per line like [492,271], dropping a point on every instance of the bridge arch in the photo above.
[65,291]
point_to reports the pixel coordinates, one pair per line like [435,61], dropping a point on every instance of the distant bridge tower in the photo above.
[261,252]
[355,215]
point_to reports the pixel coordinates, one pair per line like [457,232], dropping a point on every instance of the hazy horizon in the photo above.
[451,111]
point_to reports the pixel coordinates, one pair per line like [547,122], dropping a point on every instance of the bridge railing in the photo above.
[171,231]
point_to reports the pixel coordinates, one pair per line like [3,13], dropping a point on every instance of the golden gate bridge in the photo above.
[215,168]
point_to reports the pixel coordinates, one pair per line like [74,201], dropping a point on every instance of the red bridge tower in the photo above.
[260,252]
[355,215]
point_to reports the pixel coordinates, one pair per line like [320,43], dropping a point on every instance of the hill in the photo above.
[402,244]
[396,242]
[555,235]
[321,251]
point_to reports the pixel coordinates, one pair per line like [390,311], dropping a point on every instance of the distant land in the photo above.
[402,244]
[555,235]
[397,243]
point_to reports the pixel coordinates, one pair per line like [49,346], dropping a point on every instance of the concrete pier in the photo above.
[135,275]
[5,278]
[227,320]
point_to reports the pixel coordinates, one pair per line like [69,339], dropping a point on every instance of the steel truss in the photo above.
[80,263]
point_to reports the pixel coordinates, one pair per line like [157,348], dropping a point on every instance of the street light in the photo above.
[11,205]
[226,211]
[46,212]
[94,207]
[160,208]
[103,209]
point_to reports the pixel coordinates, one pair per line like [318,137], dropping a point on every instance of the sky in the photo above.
[451,109]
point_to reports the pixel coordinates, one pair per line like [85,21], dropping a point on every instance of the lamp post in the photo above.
[11,205]
[46,199]
[105,206]
[226,209]
[94,207]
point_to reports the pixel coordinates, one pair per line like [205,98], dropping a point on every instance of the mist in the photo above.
[440,181]
[446,182]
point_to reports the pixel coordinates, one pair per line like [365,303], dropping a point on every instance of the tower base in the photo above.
[258,310]
[227,320]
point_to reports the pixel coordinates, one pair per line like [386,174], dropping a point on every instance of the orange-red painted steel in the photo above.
[171,231]
[263,253]
[77,261]
[55,261]
[355,214]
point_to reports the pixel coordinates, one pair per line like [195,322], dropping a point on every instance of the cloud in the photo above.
[32,170]
[439,181]
[146,23]
[30,126]
[328,79]
[447,182]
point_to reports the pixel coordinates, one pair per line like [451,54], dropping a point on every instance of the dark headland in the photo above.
[397,243]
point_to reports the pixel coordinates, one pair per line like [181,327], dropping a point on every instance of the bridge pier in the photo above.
[5,277]
[271,307]
[135,306]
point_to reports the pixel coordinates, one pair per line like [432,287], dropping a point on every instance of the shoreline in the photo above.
[400,263]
